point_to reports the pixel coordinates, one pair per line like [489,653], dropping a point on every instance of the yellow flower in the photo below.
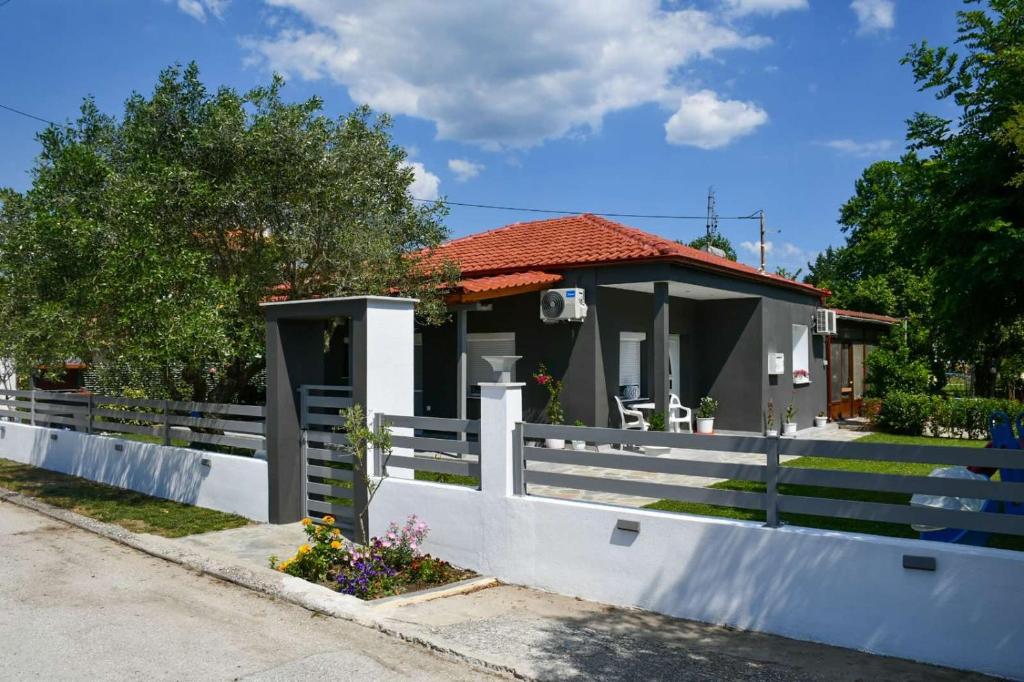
[305,549]
[329,520]
[284,565]
[335,545]
[306,521]
[335,532]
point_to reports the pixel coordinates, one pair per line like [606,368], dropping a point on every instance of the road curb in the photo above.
[267,582]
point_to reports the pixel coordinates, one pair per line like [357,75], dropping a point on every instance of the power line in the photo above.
[752,216]
[609,214]
[28,115]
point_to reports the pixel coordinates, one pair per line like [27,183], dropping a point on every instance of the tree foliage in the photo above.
[717,240]
[149,241]
[938,235]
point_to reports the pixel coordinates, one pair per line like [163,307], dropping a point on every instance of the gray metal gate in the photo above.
[333,483]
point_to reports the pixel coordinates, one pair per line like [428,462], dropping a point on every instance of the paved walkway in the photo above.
[75,606]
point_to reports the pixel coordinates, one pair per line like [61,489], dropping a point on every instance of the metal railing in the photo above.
[196,424]
[440,452]
[332,484]
[771,474]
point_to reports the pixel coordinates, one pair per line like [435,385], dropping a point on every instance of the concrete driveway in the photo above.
[77,606]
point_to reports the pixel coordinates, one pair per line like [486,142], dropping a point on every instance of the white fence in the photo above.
[837,588]
[207,479]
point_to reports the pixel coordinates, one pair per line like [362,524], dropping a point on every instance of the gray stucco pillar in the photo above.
[295,356]
[461,363]
[660,348]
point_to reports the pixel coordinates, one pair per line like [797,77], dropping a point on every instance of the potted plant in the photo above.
[580,445]
[820,419]
[801,376]
[555,414]
[769,421]
[706,414]
[789,425]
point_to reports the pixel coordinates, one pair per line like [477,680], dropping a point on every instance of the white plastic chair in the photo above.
[630,419]
[684,416]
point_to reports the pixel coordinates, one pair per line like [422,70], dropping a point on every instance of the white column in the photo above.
[390,353]
[501,408]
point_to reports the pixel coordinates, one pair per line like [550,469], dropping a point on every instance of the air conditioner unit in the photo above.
[825,322]
[562,305]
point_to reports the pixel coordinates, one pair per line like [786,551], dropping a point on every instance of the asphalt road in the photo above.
[75,606]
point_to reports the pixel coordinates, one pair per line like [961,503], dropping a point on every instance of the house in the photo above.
[857,336]
[660,315]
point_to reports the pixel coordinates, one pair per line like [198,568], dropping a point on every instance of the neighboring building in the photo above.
[857,337]
[661,315]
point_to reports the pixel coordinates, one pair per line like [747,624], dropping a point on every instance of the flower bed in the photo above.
[384,567]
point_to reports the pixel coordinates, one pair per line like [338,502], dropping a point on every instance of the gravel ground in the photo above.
[77,606]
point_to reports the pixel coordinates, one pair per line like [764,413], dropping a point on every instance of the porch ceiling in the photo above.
[681,290]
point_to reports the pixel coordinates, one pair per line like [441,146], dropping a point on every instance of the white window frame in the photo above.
[479,344]
[626,339]
[801,353]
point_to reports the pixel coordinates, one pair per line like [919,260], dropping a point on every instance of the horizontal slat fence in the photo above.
[443,451]
[169,422]
[332,485]
[771,474]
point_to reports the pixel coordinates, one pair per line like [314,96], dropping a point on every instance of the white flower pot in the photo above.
[789,429]
[771,433]
[580,445]
[705,425]
[820,421]
[554,443]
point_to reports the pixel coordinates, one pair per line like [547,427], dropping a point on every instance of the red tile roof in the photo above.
[579,240]
[515,280]
[870,317]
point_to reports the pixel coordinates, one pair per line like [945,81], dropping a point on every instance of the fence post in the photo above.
[378,427]
[33,408]
[772,484]
[167,423]
[518,461]
[88,416]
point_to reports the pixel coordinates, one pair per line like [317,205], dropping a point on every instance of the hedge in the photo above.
[915,413]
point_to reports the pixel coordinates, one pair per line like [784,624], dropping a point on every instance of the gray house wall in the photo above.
[724,345]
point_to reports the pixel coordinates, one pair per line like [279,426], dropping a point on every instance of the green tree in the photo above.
[783,271]
[717,240]
[149,241]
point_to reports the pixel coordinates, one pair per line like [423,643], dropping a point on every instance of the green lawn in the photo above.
[850,525]
[134,511]
[450,479]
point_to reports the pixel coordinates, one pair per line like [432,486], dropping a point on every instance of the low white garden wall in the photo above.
[829,587]
[226,483]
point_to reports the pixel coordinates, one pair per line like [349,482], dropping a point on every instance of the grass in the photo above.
[849,525]
[450,479]
[131,510]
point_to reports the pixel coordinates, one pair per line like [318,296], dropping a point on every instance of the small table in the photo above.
[642,406]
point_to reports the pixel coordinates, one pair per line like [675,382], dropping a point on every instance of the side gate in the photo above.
[333,481]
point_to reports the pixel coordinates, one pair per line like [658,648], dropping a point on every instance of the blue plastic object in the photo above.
[1014,475]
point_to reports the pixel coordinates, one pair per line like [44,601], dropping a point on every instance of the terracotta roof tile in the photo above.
[582,240]
[513,280]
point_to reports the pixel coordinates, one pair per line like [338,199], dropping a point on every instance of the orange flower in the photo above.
[335,545]
[329,520]
[306,521]
[335,532]
[305,549]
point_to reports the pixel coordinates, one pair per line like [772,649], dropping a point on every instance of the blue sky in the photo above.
[615,106]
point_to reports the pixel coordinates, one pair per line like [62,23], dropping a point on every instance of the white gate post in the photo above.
[501,408]
[390,352]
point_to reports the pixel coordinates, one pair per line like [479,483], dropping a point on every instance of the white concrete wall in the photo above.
[230,483]
[390,354]
[829,587]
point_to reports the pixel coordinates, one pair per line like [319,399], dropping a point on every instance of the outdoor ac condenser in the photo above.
[825,322]
[562,305]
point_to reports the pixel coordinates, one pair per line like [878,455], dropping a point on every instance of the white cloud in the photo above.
[425,185]
[198,9]
[874,16]
[741,8]
[860,149]
[464,169]
[498,75]
[703,120]
[785,254]
[755,247]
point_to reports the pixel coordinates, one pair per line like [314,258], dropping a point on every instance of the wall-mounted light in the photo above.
[119,447]
[918,563]
[206,462]
[53,436]
[628,526]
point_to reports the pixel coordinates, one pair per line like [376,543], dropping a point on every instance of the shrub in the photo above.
[657,422]
[891,368]
[906,413]
[707,407]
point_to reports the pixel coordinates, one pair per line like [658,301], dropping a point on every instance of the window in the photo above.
[629,357]
[801,354]
[479,345]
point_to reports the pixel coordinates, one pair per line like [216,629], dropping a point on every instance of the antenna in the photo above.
[712,223]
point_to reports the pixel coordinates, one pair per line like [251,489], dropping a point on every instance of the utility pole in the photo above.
[762,240]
